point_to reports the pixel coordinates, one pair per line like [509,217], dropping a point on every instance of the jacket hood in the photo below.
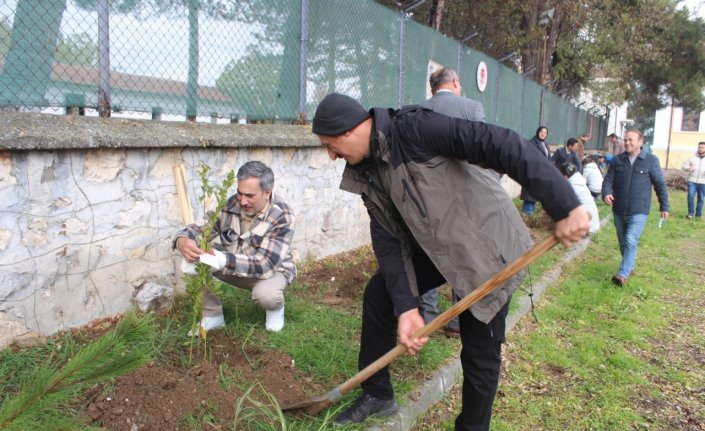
[577,179]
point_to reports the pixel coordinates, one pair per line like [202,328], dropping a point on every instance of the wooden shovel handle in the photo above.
[182,193]
[488,286]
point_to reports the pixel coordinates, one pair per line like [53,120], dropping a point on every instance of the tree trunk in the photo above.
[532,56]
[552,41]
[437,9]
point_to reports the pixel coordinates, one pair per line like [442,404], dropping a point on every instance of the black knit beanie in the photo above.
[336,114]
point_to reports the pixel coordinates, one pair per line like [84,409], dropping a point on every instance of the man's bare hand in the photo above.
[608,199]
[574,227]
[188,249]
[410,322]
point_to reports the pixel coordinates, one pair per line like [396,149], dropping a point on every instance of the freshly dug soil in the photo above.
[166,397]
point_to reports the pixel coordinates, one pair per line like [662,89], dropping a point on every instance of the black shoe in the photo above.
[451,332]
[619,281]
[366,406]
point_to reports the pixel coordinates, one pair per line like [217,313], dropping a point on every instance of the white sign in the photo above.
[482,76]
[432,67]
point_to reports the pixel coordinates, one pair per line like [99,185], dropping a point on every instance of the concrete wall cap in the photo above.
[28,131]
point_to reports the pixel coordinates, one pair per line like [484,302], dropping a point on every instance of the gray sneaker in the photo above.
[367,406]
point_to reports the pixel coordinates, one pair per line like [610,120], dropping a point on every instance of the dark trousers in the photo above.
[480,356]
[481,359]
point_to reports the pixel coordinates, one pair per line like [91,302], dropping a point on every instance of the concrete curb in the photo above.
[445,378]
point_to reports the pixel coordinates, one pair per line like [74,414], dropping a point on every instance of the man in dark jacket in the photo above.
[567,153]
[432,221]
[627,188]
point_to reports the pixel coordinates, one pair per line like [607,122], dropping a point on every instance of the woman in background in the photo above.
[538,142]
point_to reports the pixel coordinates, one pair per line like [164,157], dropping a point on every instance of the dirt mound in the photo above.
[171,397]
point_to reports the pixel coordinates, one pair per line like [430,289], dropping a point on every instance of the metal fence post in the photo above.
[605,127]
[461,44]
[541,105]
[402,42]
[522,113]
[104,58]
[496,90]
[457,60]
[193,61]
[305,10]
[405,14]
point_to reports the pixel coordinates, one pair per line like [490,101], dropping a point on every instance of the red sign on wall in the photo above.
[482,76]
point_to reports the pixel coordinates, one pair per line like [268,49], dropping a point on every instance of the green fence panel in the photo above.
[424,49]
[470,61]
[554,117]
[509,99]
[248,61]
[467,71]
[354,50]
[531,109]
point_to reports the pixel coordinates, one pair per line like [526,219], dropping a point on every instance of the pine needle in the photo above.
[123,349]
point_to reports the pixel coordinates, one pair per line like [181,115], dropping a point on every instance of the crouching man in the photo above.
[251,244]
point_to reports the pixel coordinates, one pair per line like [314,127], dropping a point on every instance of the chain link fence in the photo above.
[254,61]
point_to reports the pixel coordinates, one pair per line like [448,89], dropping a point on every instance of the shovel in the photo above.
[315,405]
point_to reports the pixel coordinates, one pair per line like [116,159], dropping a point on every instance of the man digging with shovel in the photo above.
[431,222]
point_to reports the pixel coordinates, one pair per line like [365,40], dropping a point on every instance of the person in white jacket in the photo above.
[695,166]
[593,176]
[577,181]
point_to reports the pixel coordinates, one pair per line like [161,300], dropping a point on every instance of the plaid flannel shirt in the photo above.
[259,251]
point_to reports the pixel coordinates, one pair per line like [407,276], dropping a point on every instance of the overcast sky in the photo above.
[695,6]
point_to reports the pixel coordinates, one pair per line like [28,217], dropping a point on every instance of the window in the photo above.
[691,121]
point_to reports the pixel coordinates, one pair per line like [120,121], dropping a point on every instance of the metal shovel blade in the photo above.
[315,405]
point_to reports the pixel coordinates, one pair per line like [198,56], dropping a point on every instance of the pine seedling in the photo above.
[38,403]
[197,284]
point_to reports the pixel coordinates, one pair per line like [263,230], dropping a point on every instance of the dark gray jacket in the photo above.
[447,103]
[419,192]
[561,156]
[631,185]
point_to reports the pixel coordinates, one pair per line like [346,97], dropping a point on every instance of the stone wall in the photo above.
[90,207]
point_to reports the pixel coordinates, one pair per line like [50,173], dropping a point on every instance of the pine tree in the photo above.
[197,284]
[39,401]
